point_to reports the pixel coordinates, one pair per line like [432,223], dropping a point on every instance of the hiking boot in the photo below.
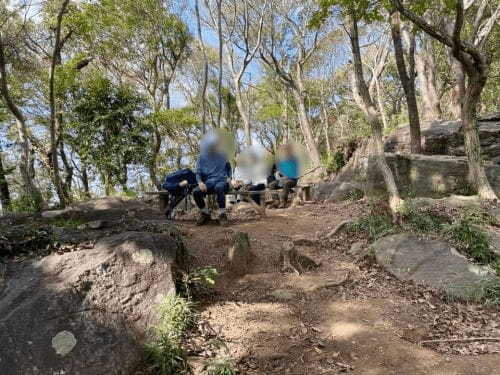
[223,221]
[203,219]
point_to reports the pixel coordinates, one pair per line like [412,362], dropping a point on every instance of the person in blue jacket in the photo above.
[178,184]
[213,173]
[289,172]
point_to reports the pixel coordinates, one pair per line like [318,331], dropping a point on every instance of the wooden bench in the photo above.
[304,192]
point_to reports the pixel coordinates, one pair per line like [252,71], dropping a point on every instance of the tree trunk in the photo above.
[426,68]
[25,167]
[4,187]
[305,126]
[407,81]
[154,157]
[244,116]
[299,94]
[458,90]
[477,175]
[364,100]
[85,181]
[205,69]
[221,44]
[55,124]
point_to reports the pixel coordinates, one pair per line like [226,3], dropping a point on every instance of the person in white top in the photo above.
[250,174]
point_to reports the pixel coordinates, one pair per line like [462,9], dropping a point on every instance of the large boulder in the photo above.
[85,312]
[447,138]
[432,262]
[428,175]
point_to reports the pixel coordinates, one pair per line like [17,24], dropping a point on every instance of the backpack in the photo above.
[172,180]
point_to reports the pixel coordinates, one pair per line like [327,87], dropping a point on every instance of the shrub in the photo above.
[334,162]
[470,240]
[199,282]
[489,291]
[164,351]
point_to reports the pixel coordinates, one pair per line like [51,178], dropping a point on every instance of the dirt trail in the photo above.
[277,323]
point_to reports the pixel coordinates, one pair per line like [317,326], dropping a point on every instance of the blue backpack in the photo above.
[172,180]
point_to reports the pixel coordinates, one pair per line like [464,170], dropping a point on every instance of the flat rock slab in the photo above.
[432,262]
[85,312]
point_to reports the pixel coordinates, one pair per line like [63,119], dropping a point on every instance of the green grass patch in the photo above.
[164,351]
[66,223]
[220,366]
[470,240]
[421,219]
[477,216]
[375,226]
[488,292]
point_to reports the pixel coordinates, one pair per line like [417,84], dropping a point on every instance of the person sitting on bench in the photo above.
[250,174]
[178,184]
[213,173]
[288,171]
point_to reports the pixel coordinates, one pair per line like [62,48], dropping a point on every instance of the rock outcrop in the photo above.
[447,138]
[432,262]
[88,311]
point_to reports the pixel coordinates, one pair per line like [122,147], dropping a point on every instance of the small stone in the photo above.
[96,224]
[63,343]
[143,256]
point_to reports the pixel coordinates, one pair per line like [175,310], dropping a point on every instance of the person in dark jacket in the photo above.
[178,184]
[213,173]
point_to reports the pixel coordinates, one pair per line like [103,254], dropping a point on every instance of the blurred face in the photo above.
[288,151]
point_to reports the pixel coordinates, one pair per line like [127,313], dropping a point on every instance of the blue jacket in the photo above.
[212,167]
[289,168]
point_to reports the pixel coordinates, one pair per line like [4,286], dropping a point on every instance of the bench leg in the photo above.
[163,200]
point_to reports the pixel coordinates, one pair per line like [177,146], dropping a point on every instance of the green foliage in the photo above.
[199,282]
[26,203]
[470,240]
[477,216]
[376,226]
[334,162]
[420,219]
[488,291]
[107,129]
[66,223]
[164,351]
[220,366]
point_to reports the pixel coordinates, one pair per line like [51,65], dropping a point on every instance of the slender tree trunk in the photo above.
[244,116]
[426,68]
[25,167]
[362,96]
[85,181]
[221,45]
[4,187]
[407,81]
[477,175]
[55,125]
[205,69]
[68,178]
[299,94]
[458,90]
[381,104]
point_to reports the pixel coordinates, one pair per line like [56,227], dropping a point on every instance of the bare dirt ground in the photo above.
[373,324]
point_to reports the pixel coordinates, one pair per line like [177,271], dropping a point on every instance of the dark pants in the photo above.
[217,188]
[256,197]
[287,185]
[174,198]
